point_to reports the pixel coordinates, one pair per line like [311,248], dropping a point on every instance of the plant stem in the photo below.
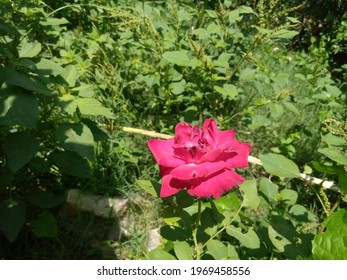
[195,231]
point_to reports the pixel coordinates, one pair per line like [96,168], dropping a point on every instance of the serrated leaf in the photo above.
[18,108]
[158,254]
[77,138]
[45,225]
[92,107]
[332,244]
[284,34]
[183,251]
[12,217]
[279,165]
[217,249]
[250,194]
[20,148]
[181,58]
[249,239]
[334,154]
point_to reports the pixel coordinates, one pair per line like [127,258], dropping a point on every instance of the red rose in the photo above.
[199,160]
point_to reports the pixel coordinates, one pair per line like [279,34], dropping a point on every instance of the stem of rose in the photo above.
[195,231]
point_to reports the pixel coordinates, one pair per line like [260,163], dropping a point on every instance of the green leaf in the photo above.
[29,49]
[249,239]
[48,67]
[291,107]
[230,201]
[151,187]
[54,21]
[301,214]
[18,108]
[332,244]
[172,215]
[250,194]
[70,75]
[229,91]
[77,138]
[334,154]
[268,188]
[278,240]
[12,217]
[288,196]
[158,254]
[183,251]
[279,165]
[72,164]
[217,249]
[12,77]
[284,34]
[181,58]
[20,148]
[92,107]
[232,253]
[45,225]
[45,199]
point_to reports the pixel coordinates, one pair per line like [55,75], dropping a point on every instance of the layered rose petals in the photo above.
[200,160]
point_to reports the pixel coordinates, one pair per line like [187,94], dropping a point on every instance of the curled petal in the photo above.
[210,132]
[163,153]
[240,159]
[224,137]
[192,171]
[171,186]
[215,185]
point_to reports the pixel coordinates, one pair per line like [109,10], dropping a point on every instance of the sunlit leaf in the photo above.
[183,251]
[181,58]
[250,194]
[77,138]
[279,165]
[158,254]
[249,239]
[332,243]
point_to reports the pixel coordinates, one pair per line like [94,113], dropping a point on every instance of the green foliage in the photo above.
[72,73]
[331,245]
[48,119]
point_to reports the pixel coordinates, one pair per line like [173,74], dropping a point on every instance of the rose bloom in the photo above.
[199,160]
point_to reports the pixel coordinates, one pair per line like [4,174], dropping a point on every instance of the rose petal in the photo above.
[215,185]
[241,158]
[192,171]
[225,136]
[210,132]
[170,186]
[163,153]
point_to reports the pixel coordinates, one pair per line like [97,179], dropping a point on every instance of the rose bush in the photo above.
[199,160]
